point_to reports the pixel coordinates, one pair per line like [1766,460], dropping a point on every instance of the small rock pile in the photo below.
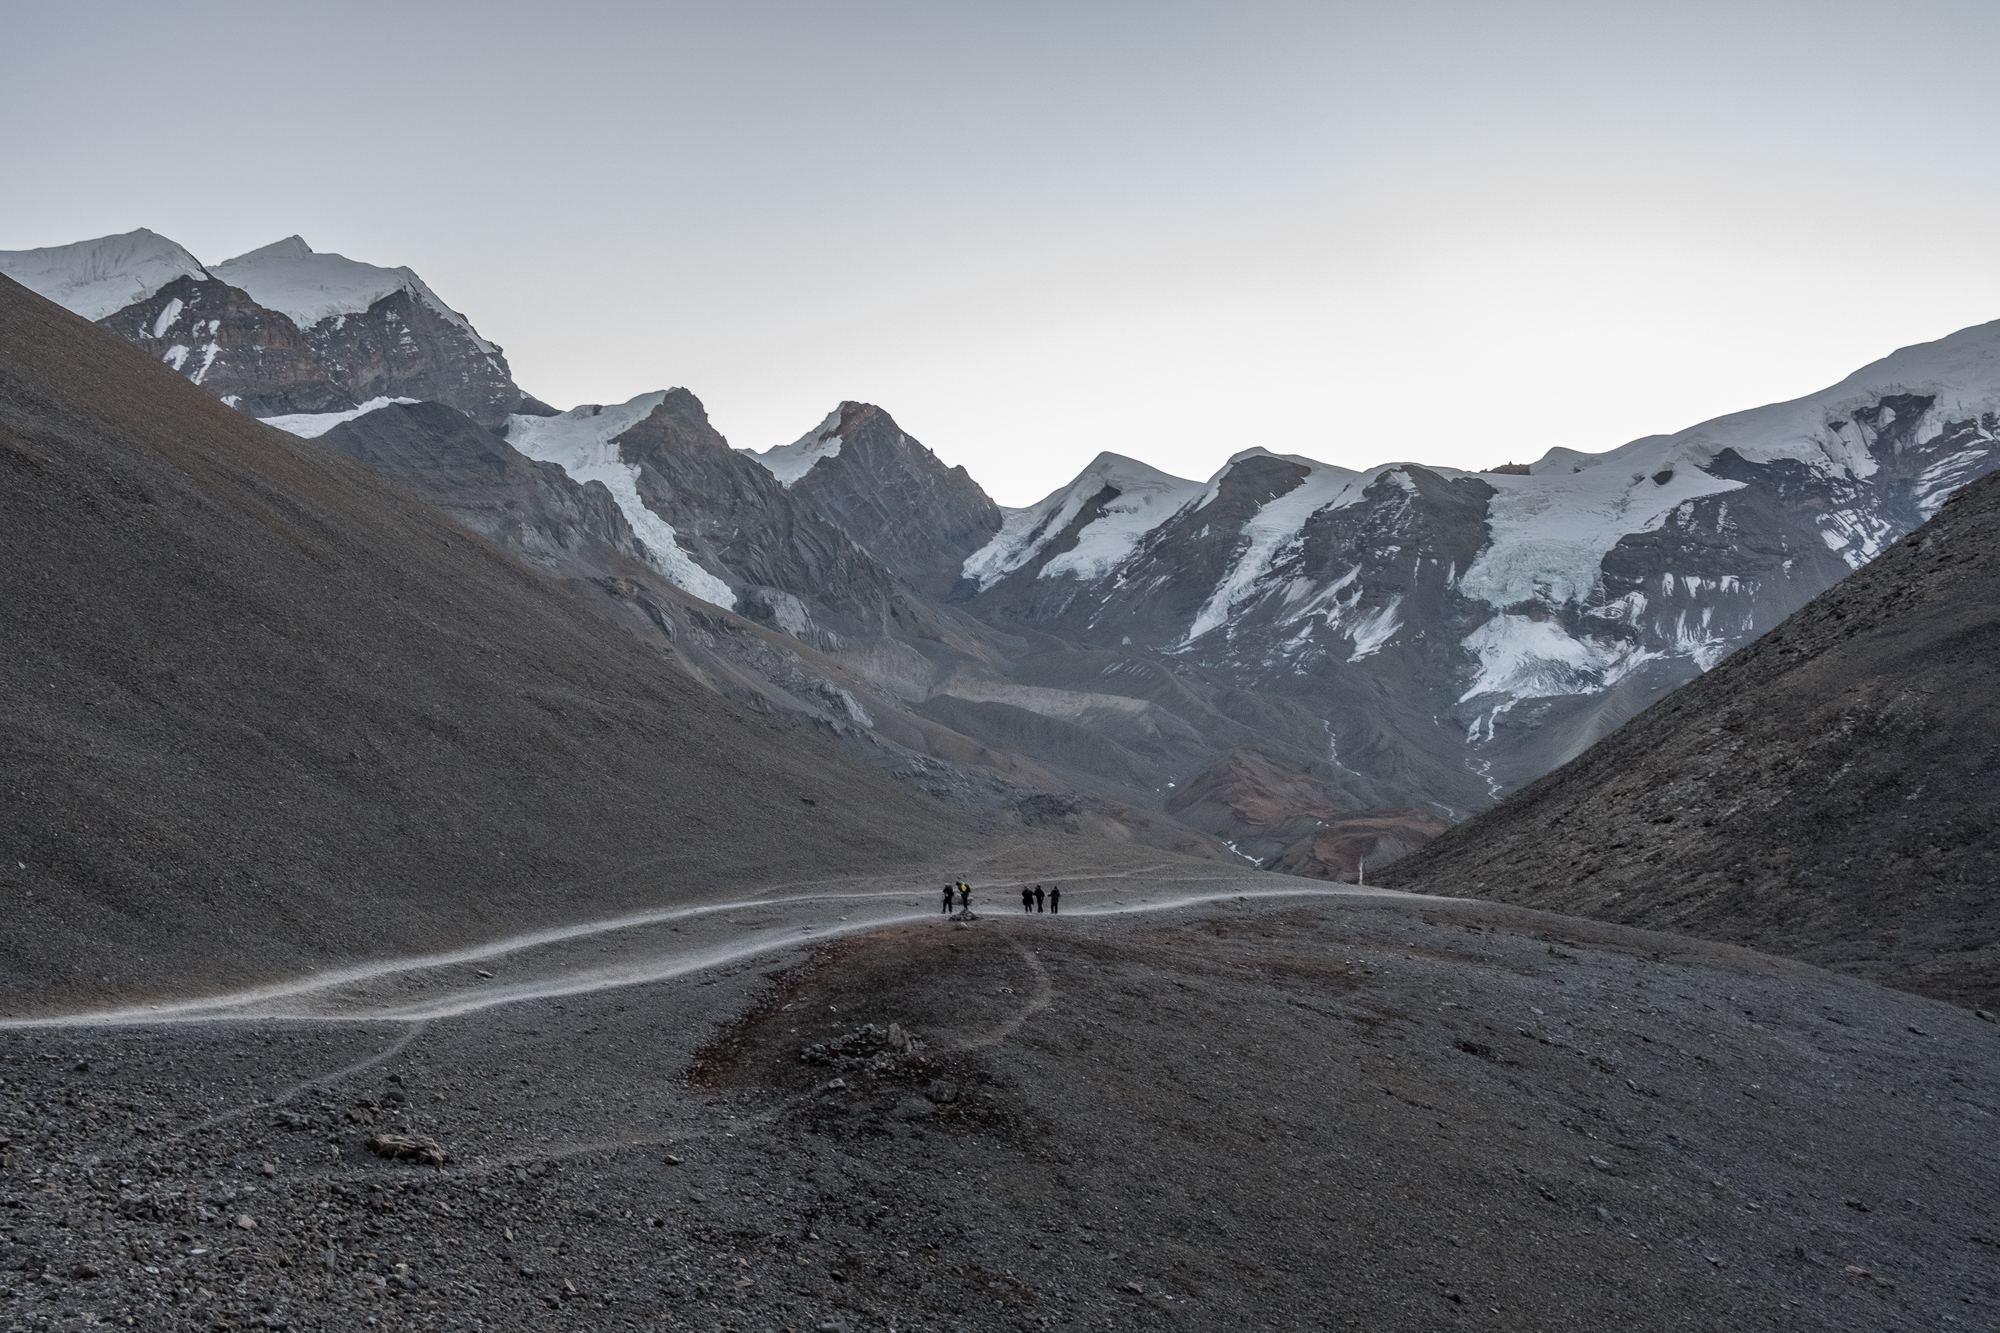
[866,1048]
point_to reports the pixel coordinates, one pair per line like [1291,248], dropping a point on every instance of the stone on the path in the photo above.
[409,1147]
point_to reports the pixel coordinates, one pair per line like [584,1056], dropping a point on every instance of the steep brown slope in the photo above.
[261,709]
[1829,791]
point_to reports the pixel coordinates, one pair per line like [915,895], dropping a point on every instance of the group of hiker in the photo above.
[1032,899]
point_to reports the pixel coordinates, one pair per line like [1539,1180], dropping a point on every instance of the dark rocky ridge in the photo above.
[234,348]
[1826,792]
[401,348]
[264,364]
[739,523]
[776,660]
[897,501]
[264,710]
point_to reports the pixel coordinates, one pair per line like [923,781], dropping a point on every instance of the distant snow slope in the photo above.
[312,425]
[1144,497]
[581,441]
[101,277]
[1550,532]
[290,277]
[1271,529]
[789,462]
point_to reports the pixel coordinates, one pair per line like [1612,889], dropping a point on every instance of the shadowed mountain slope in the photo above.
[1828,791]
[534,510]
[1322,823]
[261,710]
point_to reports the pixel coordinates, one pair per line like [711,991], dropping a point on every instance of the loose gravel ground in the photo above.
[1303,1113]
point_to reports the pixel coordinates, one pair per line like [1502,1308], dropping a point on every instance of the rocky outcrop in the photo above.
[895,498]
[401,347]
[787,566]
[381,332]
[254,359]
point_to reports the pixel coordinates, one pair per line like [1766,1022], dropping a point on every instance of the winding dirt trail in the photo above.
[645,948]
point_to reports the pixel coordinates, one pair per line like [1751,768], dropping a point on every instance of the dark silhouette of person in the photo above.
[1055,898]
[1027,899]
[1038,897]
[948,889]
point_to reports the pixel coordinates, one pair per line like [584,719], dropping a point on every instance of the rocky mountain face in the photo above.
[1825,792]
[381,332]
[535,510]
[254,359]
[1456,634]
[281,330]
[888,493]
[815,611]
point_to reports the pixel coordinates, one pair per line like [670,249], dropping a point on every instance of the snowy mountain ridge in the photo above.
[1141,498]
[789,462]
[282,331]
[99,277]
[289,276]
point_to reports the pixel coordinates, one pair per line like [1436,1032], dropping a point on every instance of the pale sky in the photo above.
[1458,233]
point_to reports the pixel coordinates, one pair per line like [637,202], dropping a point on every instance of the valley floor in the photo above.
[1178,1104]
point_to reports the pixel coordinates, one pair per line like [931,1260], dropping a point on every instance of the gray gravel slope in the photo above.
[1301,1115]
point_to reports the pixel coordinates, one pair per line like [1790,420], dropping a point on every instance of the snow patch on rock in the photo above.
[1275,525]
[1536,658]
[1550,532]
[582,442]
[312,425]
[789,462]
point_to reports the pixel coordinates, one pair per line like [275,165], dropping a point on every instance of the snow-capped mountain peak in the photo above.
[1140,499]
[96,278]
[291,277]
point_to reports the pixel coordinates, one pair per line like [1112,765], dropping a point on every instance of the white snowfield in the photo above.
[580,441]
[789,462]
[312,425]
[290,277]
[101,277]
